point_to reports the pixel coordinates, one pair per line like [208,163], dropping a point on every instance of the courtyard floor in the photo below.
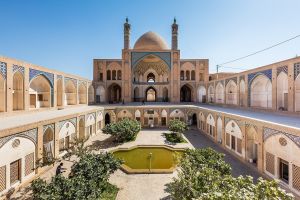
[149,186]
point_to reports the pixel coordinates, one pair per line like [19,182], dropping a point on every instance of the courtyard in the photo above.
[149,186]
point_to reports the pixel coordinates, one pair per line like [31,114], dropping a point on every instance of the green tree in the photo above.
[124,130]
[177,127]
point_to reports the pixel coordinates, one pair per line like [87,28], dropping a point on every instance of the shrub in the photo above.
[124,130]
[177,127]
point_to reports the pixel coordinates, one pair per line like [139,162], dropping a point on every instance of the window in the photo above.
[150,78]
[15,171]
[181,75]
[284,170]
[193,75]
[40,97]
[232,142]
[163,121]
[100,76]
[114,75]
[108,75]
[187,74]
[119,73]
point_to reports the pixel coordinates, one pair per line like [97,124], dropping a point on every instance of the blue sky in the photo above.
[68,34]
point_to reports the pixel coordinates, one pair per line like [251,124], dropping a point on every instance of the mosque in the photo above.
[253,114]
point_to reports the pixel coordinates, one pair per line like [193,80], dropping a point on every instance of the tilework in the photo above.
[18,68]
[33,73]
[221,81]
[82,82]
[296,70]
[252,76]
[89,115]
[239,122]
[249,125]
[118,62]
[268,132]
[59,77]
[3,69]
[62,123]
[282,69]
[233,78]
[30,134]
[242,77]
[71,79]
[137,56]
[45,127]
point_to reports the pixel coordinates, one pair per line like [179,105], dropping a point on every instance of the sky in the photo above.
[67,35]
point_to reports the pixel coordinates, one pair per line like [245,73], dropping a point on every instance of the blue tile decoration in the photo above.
[45,127]
[29,134]
[3,69]
[62,123]
[282,69]
[296,70]
[59,77]
[252,76]
[17,68]
[71,79]
[233,78]
[242,77]
[137,56]
[268,132]
[34,73]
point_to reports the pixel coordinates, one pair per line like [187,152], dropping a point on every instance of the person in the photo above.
[60,169]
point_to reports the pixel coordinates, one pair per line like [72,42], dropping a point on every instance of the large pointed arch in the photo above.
[242,93]
[201,94]
[82,94]
[231,93]
[91,94]
[261,92]
[40,92]
[186,93]
[219,93]
[2,94]
[100,94]
[70,93]
[59,94]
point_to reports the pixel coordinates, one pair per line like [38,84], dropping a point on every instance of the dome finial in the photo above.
[174,20]
[126,19]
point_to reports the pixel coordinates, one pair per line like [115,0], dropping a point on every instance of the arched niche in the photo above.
[219,93]
[231,93]
[59,94]
[234,137]
[18,91]
[137,115]
[186,93]
[282,91]
[70,93]
[252,144]
[261,92]
[48,144]
[177,114]
[242,93]
[151,94]
[40,92]
[210,125]
[91,94]
[124,114]
[82,94]
[211,94]
[201,94]
[100,94]
[66,135]
[219,130]
[114,93]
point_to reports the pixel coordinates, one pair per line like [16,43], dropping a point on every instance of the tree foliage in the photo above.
[204,175]
[177,127]
[88,180]
[124,130]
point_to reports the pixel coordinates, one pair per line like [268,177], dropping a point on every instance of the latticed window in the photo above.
[239,145]
[2,178]
[15,172]
[270,163]
[296,177]
[29,164]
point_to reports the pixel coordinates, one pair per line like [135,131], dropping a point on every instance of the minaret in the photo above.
[174,35]
[126,34]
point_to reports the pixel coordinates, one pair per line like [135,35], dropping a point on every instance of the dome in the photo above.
[150,41]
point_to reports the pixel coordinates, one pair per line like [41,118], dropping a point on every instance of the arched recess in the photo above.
[210,125]
[187,73]
[2,94]
[219,93]
[59,94]
[119,74]
[107,118]
[234,137]
[66,134]
[108,75]
[211,94]
[219,130]
[19,163]
[90,125]
[165,94]
[252,144]
[186,93]
[40,92]
[282,91]
[164,115]
[202,94]
[114,93]
[177,114]
[231,93]
[151,118]
[261,92]
[297,94]
[124,114]
[137,115]
[48,145]
[81,128]
[18,91]
[136,94]
[242,93]
[91,94]
[82,94]
[202,123]
[193,75]
[151,94]
[100,94]
[70,93]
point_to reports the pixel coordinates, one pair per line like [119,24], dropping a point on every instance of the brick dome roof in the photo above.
[150,41]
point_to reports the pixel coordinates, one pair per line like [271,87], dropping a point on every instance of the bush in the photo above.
[124,130]
[88,180]
[204,175]
[177,127]
[173,138]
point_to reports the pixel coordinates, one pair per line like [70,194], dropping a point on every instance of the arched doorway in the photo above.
[82,94]
[297,93]
[2,94]
[59,94]
[39,92]
[48,144]
[165,95]
[164,116]
[150,94]
[261,92]
[100,94]
[219,93]
[114,93]
[107,119]
[70,93]
[91,94]
[252,144]
[18,91]
[66,135]
[201,94]
[136,94]
[185,94]
[282,91]
[210,125]
[194,119]
[231,93]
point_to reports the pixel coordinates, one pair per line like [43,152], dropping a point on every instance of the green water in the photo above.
[149,158]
